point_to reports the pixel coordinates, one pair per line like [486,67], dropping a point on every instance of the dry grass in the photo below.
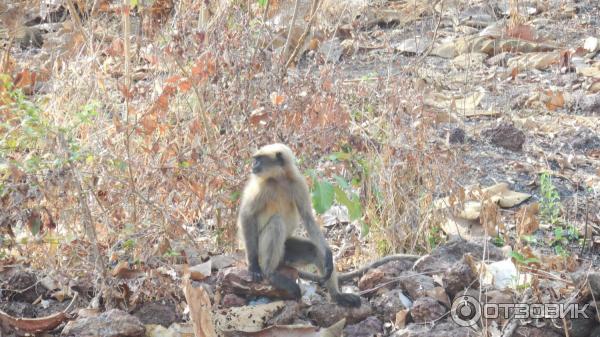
[198,104]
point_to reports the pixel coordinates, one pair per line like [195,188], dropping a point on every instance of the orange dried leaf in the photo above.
[523,32]
[277,99]
[25,78]
[149,124]
[185,85]
[116,48]
[556,100]
[124,90]
[526,219]
[173,79]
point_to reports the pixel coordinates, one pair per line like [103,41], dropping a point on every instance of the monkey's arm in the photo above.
[314,232]
[249,225]
[359,272]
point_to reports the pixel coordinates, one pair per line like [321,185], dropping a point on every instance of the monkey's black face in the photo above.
[265,164]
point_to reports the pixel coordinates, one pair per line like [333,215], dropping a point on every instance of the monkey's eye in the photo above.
[256,164]
[279,157]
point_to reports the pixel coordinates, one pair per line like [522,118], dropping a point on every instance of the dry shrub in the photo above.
[172,151]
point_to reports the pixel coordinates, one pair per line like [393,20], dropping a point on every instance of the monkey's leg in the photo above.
[271,253]
[299,251]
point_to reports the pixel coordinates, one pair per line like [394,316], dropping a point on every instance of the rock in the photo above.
[444,256]
[412,46]
[590,104]
[586,140]
[222,261]
[591,44]
[506,135]
[499,297]
[288,315]
[331,50]
[460,277]
[499,59]
[17,309]
[384,273]
[457,136]
[237,281]
[594,333]
[532,331]
[30,37]
[326,314]
[469,60]
[442,329]
[369,327]
[157,313]
[581,326]
[426,310]
[372,278]
[388,304]
[233,300]
[22,279]
[113,323]
[594,282]
[417,285]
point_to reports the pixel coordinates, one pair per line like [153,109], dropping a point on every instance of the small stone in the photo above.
[327,314]
[369,327]
[506,135]
[457,136]
[388,304]
[591,44]
[427,309]
[460,277]
[112,323]
[157,313]
[233,300]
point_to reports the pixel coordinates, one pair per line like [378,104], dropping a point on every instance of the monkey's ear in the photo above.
[279,157]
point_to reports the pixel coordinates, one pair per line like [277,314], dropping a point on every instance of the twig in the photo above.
[316,5]
[399,278]
[359,272]
[88,221]
[289,35]
[126,51]
[210,136]
[585,230]
[435,32]
[513,324]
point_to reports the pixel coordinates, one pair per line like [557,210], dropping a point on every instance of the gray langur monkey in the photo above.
[275,199]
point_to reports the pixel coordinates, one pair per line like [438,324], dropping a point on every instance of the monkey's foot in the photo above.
[255,274]
[347,300]
[286,284]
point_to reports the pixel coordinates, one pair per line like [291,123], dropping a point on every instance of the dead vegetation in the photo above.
[126,132]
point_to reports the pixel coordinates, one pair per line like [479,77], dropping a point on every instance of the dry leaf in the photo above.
[526,219]
[522,32]
[401,317]
[553,100]
[277,99]
[540,61]
[201,314]
[246,318]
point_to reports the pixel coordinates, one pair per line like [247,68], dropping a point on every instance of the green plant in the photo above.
[324,193]
[562,236]
[520,259]
[498,241]
[549,200]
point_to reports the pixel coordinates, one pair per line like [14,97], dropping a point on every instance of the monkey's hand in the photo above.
[255,272]
[328,262]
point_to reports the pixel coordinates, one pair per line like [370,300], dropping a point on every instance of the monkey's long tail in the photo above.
[361,271]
